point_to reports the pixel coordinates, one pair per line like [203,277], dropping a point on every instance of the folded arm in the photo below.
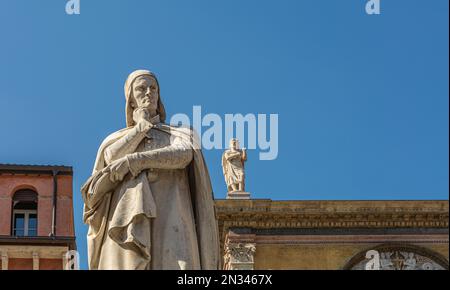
[175,156]
[125,145]
[231,155]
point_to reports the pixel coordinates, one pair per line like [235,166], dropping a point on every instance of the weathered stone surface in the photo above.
[139,200]
[332,234]
[233,161]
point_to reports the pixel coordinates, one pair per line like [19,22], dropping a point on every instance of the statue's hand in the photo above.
[119,169]
[141,117]
[144,126]
[141,114]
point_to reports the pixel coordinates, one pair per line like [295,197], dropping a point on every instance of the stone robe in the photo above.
[233,167]
[160,218]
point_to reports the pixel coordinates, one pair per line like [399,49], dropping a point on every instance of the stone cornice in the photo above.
[39,241]
[268,214]
[331,206]
[263,221]
[35,169]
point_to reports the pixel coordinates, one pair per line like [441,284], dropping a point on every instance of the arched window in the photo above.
[397,257]
[24,213]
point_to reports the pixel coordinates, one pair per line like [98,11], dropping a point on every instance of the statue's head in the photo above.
[234,144]
[142,91]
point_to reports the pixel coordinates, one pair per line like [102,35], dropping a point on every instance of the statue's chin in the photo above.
[149,106]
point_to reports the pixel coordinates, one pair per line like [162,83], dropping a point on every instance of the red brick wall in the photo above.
[64,210]
[50,264]
[5,213]
[27,264]
[43,185]
[20,264]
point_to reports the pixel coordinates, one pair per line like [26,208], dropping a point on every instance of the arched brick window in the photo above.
[25,213]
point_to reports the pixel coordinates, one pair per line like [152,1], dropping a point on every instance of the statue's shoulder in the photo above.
[187,133]
[180,128]
[114,136]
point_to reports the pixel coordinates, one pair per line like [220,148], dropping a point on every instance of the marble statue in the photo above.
[410,261]
[233,167]
[385,261]
[149,201]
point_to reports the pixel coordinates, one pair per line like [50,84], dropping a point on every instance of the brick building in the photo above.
[36,216]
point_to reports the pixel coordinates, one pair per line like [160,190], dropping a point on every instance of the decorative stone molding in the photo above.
[4,256]
[33,251]
[239,256]
[263,221]
[65,261]
[399,257]
[239,250]
[35,261]
[268,214]
[238,195]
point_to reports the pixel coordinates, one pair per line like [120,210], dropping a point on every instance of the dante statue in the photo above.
[149,202]
[233,166]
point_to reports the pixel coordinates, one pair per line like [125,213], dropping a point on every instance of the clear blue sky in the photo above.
[362,100]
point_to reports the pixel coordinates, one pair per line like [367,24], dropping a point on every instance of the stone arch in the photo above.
[429,259]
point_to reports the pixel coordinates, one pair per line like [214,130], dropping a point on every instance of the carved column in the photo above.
[35,261]
[239,256]
[4,260]
[65,261]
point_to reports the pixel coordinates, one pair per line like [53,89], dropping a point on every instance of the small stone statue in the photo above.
[233,169]
[410,261]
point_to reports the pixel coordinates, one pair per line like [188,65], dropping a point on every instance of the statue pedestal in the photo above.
[238,195]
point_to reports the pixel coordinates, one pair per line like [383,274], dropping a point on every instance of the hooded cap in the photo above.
[129,96]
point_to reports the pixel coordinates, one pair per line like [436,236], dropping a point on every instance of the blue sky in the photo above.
[362,100]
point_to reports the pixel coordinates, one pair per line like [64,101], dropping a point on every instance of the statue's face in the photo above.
[234,144]
[145,93]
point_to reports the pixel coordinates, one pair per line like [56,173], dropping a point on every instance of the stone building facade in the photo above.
[36,217]
[266,234]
